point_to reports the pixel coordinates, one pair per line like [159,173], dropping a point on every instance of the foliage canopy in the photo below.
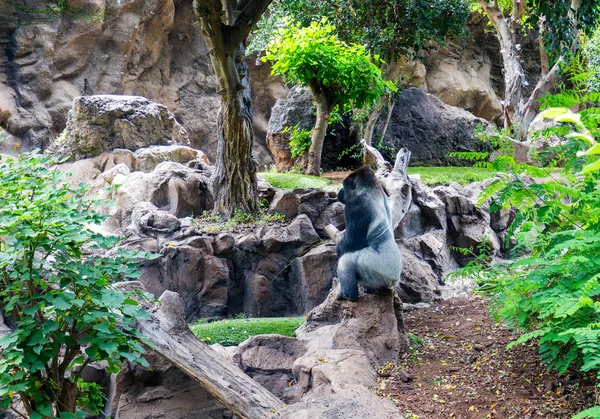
[344,71]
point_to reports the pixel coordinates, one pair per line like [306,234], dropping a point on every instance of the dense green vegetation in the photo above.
[550,293]
[235,331]
[56,276]
[340,76]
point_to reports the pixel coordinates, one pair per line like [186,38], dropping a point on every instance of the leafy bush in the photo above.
[235,331]
[553,293]
[56,290]
[299,140]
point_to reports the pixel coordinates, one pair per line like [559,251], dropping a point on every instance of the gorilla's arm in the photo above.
[358,218]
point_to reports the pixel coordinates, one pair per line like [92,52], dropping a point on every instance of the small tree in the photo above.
[55,288]
[337,75]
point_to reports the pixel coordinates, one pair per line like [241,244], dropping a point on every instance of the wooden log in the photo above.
[167,331]
[395,180]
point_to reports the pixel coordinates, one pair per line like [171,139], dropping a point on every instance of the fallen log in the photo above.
[168,333]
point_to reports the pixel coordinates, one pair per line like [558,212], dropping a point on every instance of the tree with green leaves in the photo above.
[225,25]
[559,24]
[56,275]
[397,31]
[337,74]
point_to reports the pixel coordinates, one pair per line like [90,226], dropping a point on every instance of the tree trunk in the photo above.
[234,178]
[168,332]
[519,112]
[67,401]
[324,108]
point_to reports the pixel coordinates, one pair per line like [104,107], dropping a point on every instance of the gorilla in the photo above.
[367,253]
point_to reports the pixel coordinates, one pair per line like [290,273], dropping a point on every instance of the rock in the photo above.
[261,263]
[298,109]
[124,156]
[170,187]
[468,224]
[355,403]
[430,129]
[374,325]
[146,159]
[121,168]
[269,359]
[146,219]
[4,329]
[463,72]
[162,391]
[286,203]
[418,282]
[295,109]
[102,123]
[312,202]
[332,214]
[311,276]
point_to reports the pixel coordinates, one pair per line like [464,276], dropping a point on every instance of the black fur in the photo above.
[367,253]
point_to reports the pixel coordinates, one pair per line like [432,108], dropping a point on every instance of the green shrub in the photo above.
[56,280]
[552,295]
[235,331]
[299,140]
[434,176]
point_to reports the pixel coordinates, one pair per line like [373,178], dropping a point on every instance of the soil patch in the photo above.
[336,176]
[462,370]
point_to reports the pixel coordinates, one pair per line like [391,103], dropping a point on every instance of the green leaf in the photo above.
[552,113]
[590,168]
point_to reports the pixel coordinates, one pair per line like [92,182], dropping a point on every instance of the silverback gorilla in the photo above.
[367,253]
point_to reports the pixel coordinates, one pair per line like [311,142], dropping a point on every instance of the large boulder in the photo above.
[104,122]
[297,109]
[430,129]
[374,325]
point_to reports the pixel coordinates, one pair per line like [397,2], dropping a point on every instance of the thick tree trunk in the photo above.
[234,179]
[168,332]
[324,108]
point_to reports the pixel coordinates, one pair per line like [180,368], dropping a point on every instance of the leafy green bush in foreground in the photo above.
[552,295]
[235,331]
[55,288]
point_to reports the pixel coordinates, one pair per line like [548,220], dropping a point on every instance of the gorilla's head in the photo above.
[358,182]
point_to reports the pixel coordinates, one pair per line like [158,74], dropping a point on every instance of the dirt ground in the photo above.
[461,370]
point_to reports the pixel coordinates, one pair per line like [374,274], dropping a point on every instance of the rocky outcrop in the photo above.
[430,129]
[145,48]
[97,124]
[466,73]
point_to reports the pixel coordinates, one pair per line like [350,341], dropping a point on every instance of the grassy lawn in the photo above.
[234,331]
[434,176]
[294,180]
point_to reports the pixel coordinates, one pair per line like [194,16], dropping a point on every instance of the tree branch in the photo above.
[249,16]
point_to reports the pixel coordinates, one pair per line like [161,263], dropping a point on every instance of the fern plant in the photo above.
[552,294]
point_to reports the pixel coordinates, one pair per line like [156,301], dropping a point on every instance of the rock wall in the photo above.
[146,48]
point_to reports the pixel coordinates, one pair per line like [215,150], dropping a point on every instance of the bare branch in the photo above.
[249,16]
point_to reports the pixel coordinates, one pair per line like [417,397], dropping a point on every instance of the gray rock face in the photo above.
[102,123]
[430,129]
[145,48]
[164,391]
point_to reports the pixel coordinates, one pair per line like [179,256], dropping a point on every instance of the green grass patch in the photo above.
[234,331]
[443,175]
[294,180]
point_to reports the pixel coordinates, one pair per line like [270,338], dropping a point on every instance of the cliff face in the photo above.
[152,48]
[136,47]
